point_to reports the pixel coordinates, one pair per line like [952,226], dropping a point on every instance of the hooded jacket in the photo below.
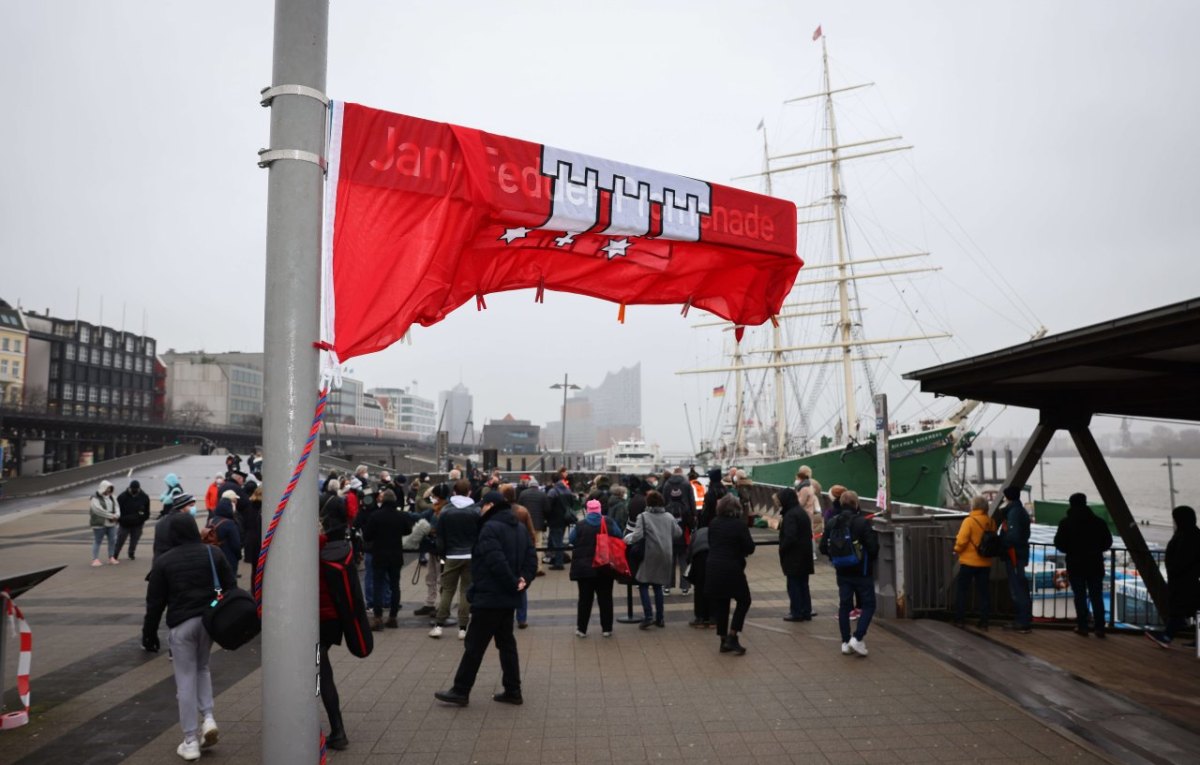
[1183,564]
[102,510]
[795,536]
[458,528]
[135,508]
[173,490]
[502,554]
[181,579]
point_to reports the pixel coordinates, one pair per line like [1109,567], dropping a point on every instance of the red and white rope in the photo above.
[16,620]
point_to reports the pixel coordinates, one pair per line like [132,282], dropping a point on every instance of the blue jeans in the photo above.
[523,609]
[979,576]
[387,586]
[1018,587]
[1088,587]
[104,532]
[554,541]
[799,597]
[848,588]
[644,591]
[369,584]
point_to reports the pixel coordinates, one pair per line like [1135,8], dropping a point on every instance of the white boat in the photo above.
[633,457]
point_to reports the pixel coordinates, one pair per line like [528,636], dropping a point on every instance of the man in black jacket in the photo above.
[1084,538]
[135,511]
[384,533]
[855,580]
[560,511]
[181,581]
[457,532]
[533,499]
[503,564]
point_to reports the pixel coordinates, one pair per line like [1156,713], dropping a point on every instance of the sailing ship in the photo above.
[922,455]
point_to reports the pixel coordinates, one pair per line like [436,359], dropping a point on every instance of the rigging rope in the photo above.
[269,534]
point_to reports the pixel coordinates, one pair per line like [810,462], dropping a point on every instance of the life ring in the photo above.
[1061,580]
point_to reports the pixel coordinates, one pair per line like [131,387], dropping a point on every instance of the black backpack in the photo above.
[340,577]
[676,501]
[989,544]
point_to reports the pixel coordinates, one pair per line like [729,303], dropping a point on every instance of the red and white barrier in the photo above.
[15,619]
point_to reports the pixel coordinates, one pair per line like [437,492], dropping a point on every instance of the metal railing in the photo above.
[1127,602]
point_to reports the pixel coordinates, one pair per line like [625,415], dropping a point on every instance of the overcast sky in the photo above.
[1055,145]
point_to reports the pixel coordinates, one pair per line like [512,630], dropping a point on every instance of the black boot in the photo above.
[337,733]
[731,644]
[725,645]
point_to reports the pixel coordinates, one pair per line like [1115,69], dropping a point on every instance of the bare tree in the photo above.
[34,398]
[192,413]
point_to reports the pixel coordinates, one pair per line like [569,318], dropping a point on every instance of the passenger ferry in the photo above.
[633,457]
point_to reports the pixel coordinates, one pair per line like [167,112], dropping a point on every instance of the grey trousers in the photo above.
[433,576]
[190,646]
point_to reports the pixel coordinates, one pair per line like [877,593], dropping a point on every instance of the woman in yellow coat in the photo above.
[974,567]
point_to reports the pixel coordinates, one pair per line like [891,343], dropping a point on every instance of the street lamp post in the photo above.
[1171,490]
[566,385]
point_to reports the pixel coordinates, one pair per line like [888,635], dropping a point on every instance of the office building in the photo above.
[404,410]
[214,388]
[87,370]
[456,412]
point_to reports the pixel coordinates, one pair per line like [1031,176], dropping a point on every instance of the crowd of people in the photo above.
[476,539]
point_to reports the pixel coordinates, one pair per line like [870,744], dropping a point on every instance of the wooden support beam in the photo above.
[1119,511]
[1030,455]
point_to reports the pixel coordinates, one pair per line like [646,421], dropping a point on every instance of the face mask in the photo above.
[192,510]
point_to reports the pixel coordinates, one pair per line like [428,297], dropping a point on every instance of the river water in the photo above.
[1143,481]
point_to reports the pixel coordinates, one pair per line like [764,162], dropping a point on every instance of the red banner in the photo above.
[428,216]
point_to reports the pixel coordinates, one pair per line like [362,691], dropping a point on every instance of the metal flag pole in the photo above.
[290,721]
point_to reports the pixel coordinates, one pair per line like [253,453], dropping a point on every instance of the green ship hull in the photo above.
[919,465]
[1050,512]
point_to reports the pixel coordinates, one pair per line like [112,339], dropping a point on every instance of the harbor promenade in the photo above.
[652,696]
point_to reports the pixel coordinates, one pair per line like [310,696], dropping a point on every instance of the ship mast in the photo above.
[844,341]
[777,335]
[844,325]
[739,437]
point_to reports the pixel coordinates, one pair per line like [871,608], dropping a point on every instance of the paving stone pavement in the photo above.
[659,695]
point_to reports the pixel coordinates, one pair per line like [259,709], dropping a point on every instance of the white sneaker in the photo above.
[209,733]
[580,634]
[96,563]
[606,634]
[436,632]
[189,750]
[846,649]
[858,646]
[462,633]
[666,591]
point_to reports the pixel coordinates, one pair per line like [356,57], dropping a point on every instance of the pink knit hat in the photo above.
[593,505]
